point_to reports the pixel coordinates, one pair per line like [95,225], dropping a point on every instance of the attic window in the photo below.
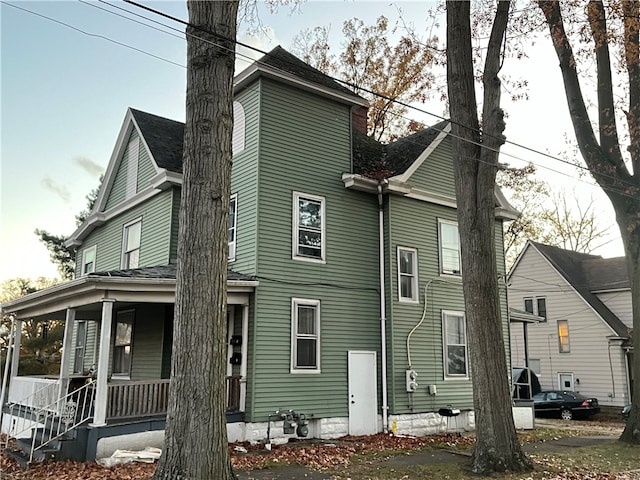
[89,260]
[308,227]
[238,128]
[131,154]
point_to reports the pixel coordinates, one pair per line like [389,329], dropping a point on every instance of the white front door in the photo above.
[565,381]
[363,393]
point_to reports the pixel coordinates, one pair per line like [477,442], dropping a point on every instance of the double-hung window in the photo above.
[89,260]
[563,336]
[309,236]
[131,244]
[233,219]
[81,342]
[305,335]
[449,242]
[455,345]
[536,306]
[407,274]
[123,343]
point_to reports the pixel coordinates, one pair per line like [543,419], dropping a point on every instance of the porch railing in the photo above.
[33,392]
[137,399]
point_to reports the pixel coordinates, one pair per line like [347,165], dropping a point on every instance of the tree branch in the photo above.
[631,11]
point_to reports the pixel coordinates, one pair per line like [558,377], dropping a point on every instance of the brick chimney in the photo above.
[359,118]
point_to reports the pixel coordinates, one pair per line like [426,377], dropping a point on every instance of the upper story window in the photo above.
[536,306]
[563,336]
[89,260]
[309,241]
[449,242]
[305,335]
[455,345]
[131,244]
[123,344]
[237,145]
[233,218]
[407,274]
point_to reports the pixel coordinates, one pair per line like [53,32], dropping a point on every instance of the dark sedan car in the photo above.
[566,405]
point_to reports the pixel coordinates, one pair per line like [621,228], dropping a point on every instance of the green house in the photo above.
[345,306]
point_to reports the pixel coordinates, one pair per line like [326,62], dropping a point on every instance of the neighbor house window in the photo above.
[536,306]
[131,244]
[455,345]
[81,342]
[305,335]
[449,248]
[407,274]
[89,260]
[233,218]
[563,336]
[122,343]
[308,227]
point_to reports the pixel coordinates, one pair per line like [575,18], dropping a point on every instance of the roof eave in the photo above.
[253,72]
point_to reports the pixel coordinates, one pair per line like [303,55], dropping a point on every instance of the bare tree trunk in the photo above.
[476,161]
[604,158]
[196,434]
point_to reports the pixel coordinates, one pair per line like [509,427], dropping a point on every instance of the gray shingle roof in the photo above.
[282,60]
[164,137]
[606,273]
[571,265]
[370,156]
[162,271]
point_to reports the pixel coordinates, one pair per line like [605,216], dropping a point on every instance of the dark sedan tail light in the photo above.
[589,402]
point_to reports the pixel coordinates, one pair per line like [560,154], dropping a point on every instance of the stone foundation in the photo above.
[431,423]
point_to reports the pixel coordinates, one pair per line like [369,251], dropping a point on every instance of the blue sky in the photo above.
[64,95]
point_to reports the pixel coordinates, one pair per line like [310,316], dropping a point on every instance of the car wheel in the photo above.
[566,414]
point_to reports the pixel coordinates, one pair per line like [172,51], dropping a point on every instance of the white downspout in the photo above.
[383,309]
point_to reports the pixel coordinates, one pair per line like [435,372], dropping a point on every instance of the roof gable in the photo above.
[569,265]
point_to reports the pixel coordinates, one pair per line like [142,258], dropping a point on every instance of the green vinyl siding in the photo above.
[175,224]
[244,183]
[296,155]
[414,224]
[148,333]
[146,168]
[155,237]
[436,172]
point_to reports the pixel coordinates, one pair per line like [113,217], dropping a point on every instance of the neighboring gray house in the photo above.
[584,342]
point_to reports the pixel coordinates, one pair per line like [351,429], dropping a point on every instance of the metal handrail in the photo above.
[59,417]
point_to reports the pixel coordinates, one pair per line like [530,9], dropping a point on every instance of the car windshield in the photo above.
[538,397]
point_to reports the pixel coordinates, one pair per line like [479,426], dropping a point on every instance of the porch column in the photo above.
[67,348]
[243,349]
[100,404]
[17,339]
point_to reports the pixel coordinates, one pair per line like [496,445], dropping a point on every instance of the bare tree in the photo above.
[476,163]
[603,155]
[196,434]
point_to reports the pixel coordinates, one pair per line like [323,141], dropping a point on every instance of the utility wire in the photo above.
[247,58]
[371,92]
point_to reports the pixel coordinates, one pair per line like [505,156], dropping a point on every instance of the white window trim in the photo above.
[233,245]
[119,375]
[416,296]
[295,225]
[82,347]
[440,259]
[85,252]
[534,303]
[124,240]
[295,302]
[560,338]
[447,376]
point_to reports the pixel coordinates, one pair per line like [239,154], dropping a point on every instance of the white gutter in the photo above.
[383,318]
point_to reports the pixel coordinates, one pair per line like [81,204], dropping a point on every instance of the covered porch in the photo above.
[117,345]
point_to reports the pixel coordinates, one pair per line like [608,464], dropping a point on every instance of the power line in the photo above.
[530,149]
[247,58]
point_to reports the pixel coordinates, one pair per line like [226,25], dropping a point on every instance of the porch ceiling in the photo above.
[86,294]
